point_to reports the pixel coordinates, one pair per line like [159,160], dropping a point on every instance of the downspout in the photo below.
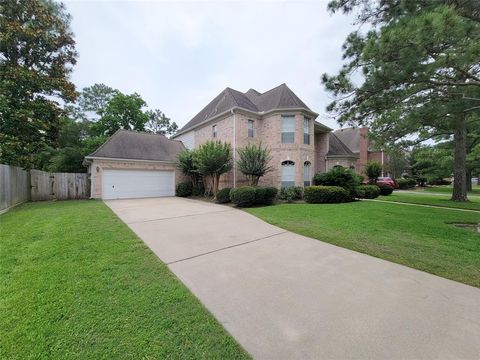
[382,163]
[234,148]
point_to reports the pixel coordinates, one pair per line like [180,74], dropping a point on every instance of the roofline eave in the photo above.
[89,159]
[256,113]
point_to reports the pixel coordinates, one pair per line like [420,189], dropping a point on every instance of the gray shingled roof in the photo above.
[350,137]
[336,147]
[125,144]
[280,97]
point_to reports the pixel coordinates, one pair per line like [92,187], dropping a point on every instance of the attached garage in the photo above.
[133,164]
[126,184]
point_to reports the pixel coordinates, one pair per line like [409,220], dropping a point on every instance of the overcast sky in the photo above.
[179,55]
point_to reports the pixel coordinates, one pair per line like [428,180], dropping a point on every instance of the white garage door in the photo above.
[125,184]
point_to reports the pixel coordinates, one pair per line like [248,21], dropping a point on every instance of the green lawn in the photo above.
[76,283]
[448,190]
[430,199]
[418,237]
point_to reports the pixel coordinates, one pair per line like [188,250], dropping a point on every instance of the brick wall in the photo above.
[267,130]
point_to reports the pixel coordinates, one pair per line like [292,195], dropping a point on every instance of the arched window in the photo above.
[288,173]
[306,174]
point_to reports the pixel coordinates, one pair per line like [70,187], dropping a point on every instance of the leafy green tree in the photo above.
[186,164]
[95,98]
[159,123]
[432,163]
[122,112]
[37,52]
[373,170]
[253,161]
[213,159]
[397,163]
[420,74]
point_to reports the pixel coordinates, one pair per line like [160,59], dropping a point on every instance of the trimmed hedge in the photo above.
[184,189]
[270,194]
[385,189]
[371,191]
[406,183]
[223,196]
[325,194]
[243,196]
[260,193]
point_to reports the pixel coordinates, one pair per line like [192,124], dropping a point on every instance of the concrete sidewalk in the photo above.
[285,296]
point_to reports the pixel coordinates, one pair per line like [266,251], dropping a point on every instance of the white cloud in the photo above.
[179,56]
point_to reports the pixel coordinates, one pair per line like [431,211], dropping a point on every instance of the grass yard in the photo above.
[430,199]
[448,190]
[76,283]
[417,237]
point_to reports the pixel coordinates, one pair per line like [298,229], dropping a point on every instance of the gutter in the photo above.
[234,148]
[88,159]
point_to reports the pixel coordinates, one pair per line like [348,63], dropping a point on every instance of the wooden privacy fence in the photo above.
[18,185]
[14,186]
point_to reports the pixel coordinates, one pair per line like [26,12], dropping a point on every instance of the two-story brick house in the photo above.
[135,164]
[278,119]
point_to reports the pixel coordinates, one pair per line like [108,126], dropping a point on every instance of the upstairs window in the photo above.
[214,131]
[250,128]
[288,173]
[288,129]
[306,173]
[306,131]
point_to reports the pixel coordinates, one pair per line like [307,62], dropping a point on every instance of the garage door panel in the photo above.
[124,184]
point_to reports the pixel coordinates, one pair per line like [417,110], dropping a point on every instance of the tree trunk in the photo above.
[216,181]
[469,180]
[460,157]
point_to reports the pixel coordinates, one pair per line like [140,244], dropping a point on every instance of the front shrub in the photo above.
[325,194]
[260,193]
[358,192]
[371,191]
[385,189]
[291,193]
[339,176]
[406,183]
[198,190]
[243,196]
[270,194]
[223,196]
[184,189]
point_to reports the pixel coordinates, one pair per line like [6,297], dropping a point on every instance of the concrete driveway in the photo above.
[285,296]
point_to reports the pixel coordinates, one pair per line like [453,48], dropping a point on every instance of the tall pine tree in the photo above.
[414,74]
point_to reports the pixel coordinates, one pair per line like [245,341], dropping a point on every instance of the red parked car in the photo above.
[387,181]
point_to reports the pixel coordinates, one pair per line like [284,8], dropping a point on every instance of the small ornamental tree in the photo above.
[253,161]
[186,164]
[213,159]
[373,169]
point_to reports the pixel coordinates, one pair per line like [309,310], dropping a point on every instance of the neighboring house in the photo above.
[356,140]
[133,164]
[278,119]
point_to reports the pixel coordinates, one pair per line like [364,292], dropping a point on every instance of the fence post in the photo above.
[29,185]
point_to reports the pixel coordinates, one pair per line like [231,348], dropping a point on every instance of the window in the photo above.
[288,173]
[288,129]
[306,131]
[214,131]
[250,128]
[306,173]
